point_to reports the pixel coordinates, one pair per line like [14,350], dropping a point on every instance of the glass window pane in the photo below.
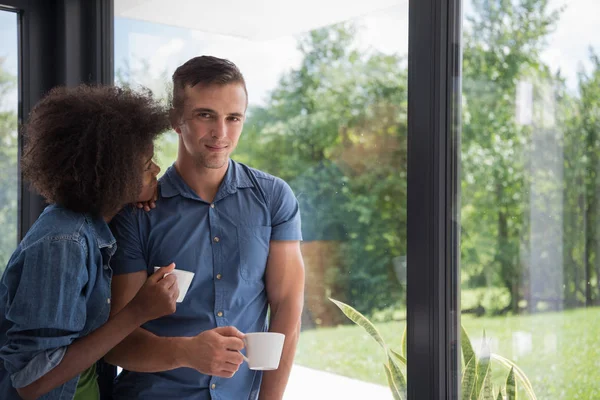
[9,179]
[327,87]
[530,244]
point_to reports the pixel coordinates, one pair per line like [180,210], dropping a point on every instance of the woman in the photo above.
[88,152]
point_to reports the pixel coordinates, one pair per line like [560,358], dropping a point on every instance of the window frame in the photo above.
[434,85]
[61,42]
[67,42]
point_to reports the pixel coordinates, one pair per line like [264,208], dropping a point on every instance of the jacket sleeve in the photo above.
[46,307]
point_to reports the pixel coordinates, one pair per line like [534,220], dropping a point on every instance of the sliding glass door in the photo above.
[327,85]
[530,150]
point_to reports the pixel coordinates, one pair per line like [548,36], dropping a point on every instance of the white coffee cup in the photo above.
[184,280]
[263,350]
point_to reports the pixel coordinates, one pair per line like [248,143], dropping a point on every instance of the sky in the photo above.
[264,61]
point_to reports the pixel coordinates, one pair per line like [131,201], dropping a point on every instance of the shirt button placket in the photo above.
[218,305]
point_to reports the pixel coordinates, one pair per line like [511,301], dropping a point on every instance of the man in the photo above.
[237,229]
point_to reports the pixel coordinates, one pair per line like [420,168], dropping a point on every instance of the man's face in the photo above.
[211,123]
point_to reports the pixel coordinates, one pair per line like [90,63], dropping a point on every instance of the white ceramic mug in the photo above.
[184,280]
[263,350]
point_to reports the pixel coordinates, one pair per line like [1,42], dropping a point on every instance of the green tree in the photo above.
[8,166]
[335,129]
[589,107]
[582,186]
[502,44]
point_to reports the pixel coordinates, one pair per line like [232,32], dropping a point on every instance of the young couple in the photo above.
[81,285]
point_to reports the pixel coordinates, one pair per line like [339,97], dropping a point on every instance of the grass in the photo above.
[559,352]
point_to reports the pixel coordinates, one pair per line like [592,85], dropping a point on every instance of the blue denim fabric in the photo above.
[55,289]
[226,245]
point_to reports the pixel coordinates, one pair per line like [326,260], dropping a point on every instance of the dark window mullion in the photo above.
[432,298]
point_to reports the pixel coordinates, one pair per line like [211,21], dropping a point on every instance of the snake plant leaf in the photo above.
[403,343]
[397,377]
[361,321]
[483,366]
[398,357]
[391,384]
[466,346]
[486,390]
[468,379]
[518,374]
[511,386]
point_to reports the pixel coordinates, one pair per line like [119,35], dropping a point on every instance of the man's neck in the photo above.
[204,181]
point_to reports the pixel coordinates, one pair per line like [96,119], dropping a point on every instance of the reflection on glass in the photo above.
[8,136]
[530,244]
[327,113]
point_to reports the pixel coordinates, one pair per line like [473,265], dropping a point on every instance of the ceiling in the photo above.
[255,20]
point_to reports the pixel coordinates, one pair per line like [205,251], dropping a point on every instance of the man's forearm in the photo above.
[285,320]
[143,351]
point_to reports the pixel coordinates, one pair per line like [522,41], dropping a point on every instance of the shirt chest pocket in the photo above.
[253,242]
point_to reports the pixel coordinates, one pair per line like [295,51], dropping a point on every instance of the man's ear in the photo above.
[175,120]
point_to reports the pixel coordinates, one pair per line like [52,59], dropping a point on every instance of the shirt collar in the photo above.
[172,184]
[104,236]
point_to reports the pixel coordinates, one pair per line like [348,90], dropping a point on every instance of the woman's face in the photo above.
[149,181]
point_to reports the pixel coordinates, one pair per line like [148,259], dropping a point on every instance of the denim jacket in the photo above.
[55,289]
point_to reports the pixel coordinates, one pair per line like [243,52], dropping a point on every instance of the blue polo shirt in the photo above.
[226,244]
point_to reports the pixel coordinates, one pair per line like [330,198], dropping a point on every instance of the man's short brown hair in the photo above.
[203,70]
[85,146]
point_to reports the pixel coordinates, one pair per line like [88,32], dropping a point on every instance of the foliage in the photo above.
[8,167]
[484,301]
[557,350]
[502,46]
[476,382]
[581,118]
[335,129]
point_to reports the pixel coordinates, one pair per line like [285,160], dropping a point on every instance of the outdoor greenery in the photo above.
[556,350]
[8,167]
[335,128]
[476,368]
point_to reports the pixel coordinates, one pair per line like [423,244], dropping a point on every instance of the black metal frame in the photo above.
[35,77]
[61,42]
[67,42]
[432,291]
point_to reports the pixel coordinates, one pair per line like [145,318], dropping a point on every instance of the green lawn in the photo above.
[559,352]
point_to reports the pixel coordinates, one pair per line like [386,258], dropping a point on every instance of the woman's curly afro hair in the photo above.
[85,146]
